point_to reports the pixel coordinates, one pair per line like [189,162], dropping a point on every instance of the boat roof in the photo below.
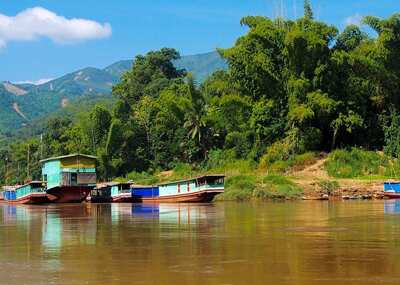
[68,156]
[143,186]
[194,178]
[10,188]
[29,183]
[111,184]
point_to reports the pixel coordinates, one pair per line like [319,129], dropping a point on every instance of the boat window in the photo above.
[74,179]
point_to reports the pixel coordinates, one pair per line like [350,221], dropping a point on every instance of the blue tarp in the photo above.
[392,187]
[145,192]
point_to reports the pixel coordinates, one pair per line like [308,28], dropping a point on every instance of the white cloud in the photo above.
[35,82]
[34,23]
[355,19]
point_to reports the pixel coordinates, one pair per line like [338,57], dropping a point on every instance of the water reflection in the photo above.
[180,214]
[273,243]
[392,206]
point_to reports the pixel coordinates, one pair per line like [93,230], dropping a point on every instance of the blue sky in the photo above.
[121,29]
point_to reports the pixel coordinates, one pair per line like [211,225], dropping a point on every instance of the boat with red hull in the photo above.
[30,193]
[68,194]
[201,189]
[69,178]
[392,190]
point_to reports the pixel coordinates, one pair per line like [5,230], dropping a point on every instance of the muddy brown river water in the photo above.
[354,242]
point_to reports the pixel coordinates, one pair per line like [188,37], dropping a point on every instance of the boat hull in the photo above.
[392,195]
[122,198]
[69,194]
[205,196]
[36,198]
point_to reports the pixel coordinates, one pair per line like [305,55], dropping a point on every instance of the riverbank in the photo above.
[352,174]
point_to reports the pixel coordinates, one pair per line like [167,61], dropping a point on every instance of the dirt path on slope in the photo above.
[310,178]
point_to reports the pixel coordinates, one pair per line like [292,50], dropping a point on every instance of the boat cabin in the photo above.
[69,170]
[105,192]
[202,183]
[30,188]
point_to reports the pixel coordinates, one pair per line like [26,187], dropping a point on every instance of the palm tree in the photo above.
[195,122]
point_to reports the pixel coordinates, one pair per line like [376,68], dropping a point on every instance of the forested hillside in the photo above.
[27,104]
[292,86]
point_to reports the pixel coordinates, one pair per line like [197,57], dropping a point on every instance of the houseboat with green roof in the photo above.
[198,189]
[69,178]
[30,193]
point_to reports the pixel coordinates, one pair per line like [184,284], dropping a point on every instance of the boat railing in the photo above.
[212,186]
[26,191]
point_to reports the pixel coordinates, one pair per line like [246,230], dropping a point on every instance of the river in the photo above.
[353,242]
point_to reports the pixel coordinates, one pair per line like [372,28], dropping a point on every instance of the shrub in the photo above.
[294,162]
[239,188]
[355,163]
[277,187]
[328,186]
[142,178]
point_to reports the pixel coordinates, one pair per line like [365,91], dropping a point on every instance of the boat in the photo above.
[111,192]
[69,178]
[198,189]
[391,190]
[30,193]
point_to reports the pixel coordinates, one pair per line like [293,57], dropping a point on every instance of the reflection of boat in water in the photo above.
[392,206]
[200,189]
[392,190]
[31,193]
[111,192]
[170,213]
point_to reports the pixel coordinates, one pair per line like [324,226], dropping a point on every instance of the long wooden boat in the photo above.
[195,190]
[31,193]
[391,190]
[111,192]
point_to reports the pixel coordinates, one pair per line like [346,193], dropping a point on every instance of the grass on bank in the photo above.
[361,164]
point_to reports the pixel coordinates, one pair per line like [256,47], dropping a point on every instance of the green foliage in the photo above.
[281,165]
[142,178]
[356,162]
[239,188]
[277,187]
[391,128]
[328,186]
[251,187]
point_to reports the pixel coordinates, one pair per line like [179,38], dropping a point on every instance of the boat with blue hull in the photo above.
[392,190]
[199,189]
[111,192]
[30,193]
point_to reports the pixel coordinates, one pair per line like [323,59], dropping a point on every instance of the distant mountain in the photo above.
[201,65]
[23,103]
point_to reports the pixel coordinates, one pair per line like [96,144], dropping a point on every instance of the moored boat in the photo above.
[69,178]
[392,190]
[199,189]
[30,193]
[111,192]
